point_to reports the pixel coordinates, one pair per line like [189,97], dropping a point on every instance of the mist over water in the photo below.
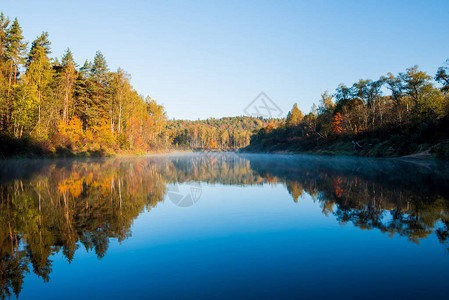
[224,225]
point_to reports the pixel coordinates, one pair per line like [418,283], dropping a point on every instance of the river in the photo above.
[224,226]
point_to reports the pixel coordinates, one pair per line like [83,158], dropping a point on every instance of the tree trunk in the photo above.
[8,104]
[120,118]
[15,73]
[10,77]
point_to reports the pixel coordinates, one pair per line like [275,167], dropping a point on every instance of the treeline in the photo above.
[66,107]
[394,115]
[216,134]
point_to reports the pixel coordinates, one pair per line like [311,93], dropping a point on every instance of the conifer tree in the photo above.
[4,76]
[4,23]
[82,94]
[39,73]
[99,77]
[15,54]
[66,83]
[15,47]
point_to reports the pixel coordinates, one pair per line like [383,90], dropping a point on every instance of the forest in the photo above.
[57,107]
[51,106]
[395,115]
[229,133]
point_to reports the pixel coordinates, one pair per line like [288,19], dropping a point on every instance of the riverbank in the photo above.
[28,148]
[428,139]
[368,147]
[11,147]
[396,146]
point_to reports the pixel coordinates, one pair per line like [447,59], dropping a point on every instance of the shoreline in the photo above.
[422,156]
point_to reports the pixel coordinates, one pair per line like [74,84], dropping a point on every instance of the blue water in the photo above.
[253,241]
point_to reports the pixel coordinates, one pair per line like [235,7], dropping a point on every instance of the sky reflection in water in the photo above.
[263,227]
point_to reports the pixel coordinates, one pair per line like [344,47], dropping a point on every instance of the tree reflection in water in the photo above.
[52,206]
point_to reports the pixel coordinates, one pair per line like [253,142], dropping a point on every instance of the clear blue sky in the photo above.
[211,58]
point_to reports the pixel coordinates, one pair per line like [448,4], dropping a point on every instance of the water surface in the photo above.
[224,226]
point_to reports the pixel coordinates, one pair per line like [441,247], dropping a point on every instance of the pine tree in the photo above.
[4,23]
[15,49]
[15,53]
[66,83]
[100,77]
[39,73]
[82,94]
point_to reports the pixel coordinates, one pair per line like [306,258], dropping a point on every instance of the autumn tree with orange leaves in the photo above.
[63,105]
[337,123]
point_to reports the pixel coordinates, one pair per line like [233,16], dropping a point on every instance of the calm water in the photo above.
[225,226]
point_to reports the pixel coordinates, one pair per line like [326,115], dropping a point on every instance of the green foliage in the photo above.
[412,118]
[15,44]
[46,101]
[442,76]
[40,97]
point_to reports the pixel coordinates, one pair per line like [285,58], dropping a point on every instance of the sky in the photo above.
[204,59]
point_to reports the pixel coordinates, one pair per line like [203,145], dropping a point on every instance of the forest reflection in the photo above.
[60,205]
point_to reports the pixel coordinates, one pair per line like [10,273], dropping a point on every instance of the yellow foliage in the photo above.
[102,131]
[213,144]
[74,185]
[73,130]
